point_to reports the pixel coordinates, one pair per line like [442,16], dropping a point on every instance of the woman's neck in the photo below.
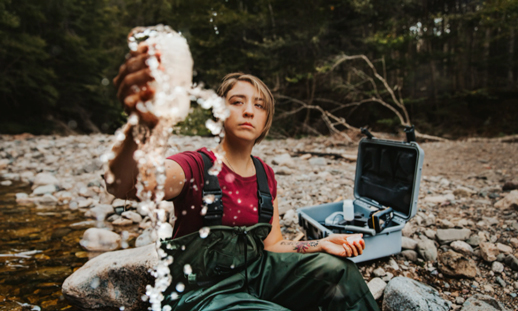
[237,157]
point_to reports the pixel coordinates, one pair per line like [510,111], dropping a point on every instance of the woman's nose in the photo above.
[249,109]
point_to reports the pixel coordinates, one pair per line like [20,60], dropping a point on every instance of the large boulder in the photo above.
[403,293]
[113,280]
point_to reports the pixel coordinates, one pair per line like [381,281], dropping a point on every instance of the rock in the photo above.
[449,235]
[461,247]
[44,189]
[491,221]
[122,222]
[135,217]
[463,192]
[306,156]
[488,251]
[408,243]
[64,196]
[510,200]
[455,264]
[404,293]
[283,171]
[429,220]
[44,179]
[4,163]
[445,223]
[83,224]
[84,203]
[497,267]
[377,286]
[147,237]
[480,302]
[379,272]
[408,230]
[427,250]
[101,240]
[284,160]
[510,185]
[6,183]
[317,161]
[512,262]
[502,248]
[514,242]
[473,240]
[290,218]
[440,198]
[431,234]
[393,264]
[100,211]
[113,280]
[388,276]
[46,199]
[410,255]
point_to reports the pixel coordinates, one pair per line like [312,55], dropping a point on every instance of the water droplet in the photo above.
[180,287]
[239,201]
[182,247]
[192,206]
[174,296]
[215,14]
[204,232]
[122,308]
[144,297]
[203,211]
[184,212]
[209,198]
[237,192]
[167,308]
[187,269]
[232,266]
[235,217]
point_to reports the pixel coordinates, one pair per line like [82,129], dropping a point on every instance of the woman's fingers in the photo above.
[348,250]
[358,247]
[133,82]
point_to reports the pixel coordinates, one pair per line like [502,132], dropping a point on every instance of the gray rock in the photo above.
[408,243]
[317,161]
[44,179]
[408,230]
[461,247]
[473,240]
[497,267]
[388,276]
[450,235]
[427,250]
[479,302]
[284,160]
[6,183]
[504,248]
[46,199]
[431,234]
[100,211]
[147,237]
[122,222]
[440,198]
[44,189]
[404,293]
[112,280]
[379,272]
[377,286]
[512,262]
[135,217]
[455,264]
[100,240]
[463,192]
[410,255]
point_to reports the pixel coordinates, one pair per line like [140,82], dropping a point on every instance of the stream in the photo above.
[39,249]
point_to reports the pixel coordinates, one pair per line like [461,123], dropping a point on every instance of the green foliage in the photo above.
[194,124]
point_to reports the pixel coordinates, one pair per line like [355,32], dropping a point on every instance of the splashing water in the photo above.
[170,104]
[204,232]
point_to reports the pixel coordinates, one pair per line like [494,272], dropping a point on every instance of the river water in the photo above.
[39,249]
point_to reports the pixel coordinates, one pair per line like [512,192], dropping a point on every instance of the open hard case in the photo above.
[388,174]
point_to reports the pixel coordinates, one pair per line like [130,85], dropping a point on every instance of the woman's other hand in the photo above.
[132,84]
[339,245]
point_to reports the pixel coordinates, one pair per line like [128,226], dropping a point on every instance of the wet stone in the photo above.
[479,302]
[404,293]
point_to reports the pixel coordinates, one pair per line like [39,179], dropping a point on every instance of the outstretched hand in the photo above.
[337,244]
[132,84]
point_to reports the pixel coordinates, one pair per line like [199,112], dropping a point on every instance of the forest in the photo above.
[447,66]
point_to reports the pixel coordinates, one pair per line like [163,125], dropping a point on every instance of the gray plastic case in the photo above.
[388,174]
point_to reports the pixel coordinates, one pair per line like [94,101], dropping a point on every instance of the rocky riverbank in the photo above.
[462,243]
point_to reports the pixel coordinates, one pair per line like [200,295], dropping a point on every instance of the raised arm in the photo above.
[133,86]
[335,244]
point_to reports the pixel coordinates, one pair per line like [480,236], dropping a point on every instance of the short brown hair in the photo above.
[232,78]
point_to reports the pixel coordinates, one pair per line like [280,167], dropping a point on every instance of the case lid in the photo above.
[389,172]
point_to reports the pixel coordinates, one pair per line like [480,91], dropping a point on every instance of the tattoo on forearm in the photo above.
[301,247]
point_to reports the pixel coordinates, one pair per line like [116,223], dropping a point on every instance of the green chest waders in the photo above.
[225,250]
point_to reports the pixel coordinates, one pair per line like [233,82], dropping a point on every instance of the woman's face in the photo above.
[247,112]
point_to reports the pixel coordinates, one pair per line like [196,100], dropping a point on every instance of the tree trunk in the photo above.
[485,75]
[510,62]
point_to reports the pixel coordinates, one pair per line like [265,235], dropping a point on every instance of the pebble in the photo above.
[317,161]
[6,183]
[450,235]
[461,247]
[488,251]
[497,267]
[427,250]
[377,286]
[408,243]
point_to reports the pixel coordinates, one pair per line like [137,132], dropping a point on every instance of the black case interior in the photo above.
[387,175]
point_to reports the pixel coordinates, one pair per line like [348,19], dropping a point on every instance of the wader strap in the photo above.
[263,193]
[211,187]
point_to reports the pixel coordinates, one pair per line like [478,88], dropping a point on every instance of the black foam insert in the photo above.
[387,175]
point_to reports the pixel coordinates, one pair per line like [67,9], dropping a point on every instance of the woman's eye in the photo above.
[260,106]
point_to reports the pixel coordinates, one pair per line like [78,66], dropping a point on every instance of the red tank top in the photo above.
[239,194]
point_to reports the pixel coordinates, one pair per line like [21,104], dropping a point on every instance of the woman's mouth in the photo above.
[246,124]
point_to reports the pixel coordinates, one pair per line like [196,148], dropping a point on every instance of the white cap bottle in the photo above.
[348,209]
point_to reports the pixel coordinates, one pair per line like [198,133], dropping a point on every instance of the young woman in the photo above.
[287,275]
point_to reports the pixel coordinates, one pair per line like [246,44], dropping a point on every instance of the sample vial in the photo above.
[348,208]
